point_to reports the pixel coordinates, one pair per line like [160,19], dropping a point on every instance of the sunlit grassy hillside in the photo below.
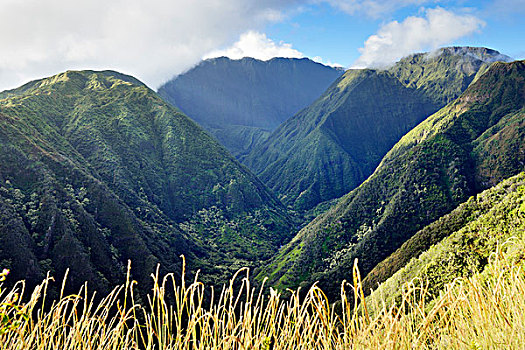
[484,311]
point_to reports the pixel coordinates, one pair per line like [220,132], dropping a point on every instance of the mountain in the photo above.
[332,146]
[241,101]
[469,145]
[96,169]
[459,244]
[445,73]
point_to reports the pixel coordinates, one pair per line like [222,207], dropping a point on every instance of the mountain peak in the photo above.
[334,144]
[481,53]
[74,80]
[150,177]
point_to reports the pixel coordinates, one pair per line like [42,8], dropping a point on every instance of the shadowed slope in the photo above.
[241,101]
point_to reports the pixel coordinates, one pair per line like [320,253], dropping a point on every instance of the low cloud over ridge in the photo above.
[395,40]
[156,39]
[151,39]
[256,45]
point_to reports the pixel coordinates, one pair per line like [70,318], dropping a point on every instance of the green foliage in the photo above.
[461,243]
[330,147]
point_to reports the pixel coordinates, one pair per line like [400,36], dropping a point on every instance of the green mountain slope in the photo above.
[458,244]
[241,101]
[430,171]
[444,74]
[332,146]
[96,169]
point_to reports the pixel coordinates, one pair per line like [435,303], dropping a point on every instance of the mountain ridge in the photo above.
[411,188]
[312,158]
[241,101]
[457,245]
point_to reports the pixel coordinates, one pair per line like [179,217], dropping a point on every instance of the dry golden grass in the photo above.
[484,312]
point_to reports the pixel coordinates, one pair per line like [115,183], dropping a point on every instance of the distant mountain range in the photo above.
[97,169]
[241,101]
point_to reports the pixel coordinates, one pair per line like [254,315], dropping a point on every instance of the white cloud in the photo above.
[150,39]
[256,45]
[319,59]
[394,40]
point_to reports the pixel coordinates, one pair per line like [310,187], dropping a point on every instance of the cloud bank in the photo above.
[395,40]
[157,39]
[256,45]
[150,39]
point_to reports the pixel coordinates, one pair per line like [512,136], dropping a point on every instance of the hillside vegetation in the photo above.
[485,310]
[459,244]
[96,169]
[332,146]
[125,225]
[430,171]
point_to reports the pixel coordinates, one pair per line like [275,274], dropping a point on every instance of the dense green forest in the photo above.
[96,169]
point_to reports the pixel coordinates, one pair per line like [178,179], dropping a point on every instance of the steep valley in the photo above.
[332,146]
[429,172]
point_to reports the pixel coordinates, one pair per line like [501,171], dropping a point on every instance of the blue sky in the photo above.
[324,31]
[155,40]
[336,36]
